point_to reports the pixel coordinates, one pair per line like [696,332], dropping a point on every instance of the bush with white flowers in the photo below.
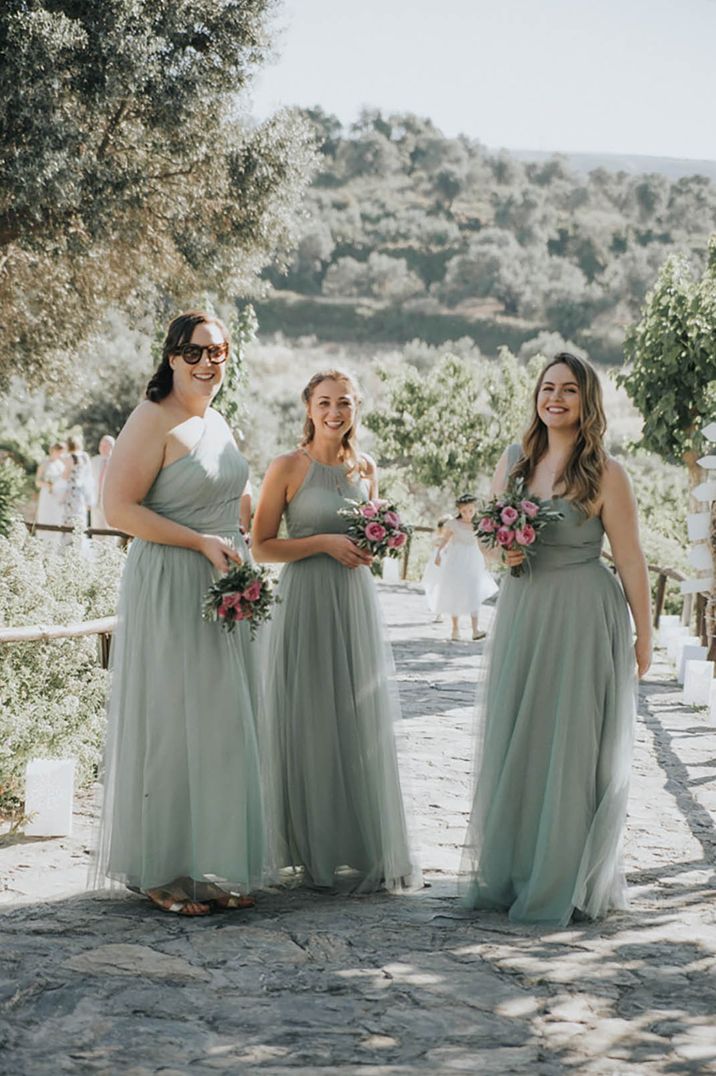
[52,694]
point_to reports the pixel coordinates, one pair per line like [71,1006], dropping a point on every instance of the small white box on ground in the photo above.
[690,652]
[667,625]
[49,788]
[391,570]
[698,677]
[681,632]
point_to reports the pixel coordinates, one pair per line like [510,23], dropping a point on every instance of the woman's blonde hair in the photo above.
[349,443]
[582,474]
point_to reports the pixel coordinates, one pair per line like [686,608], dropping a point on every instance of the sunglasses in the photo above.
[192,353]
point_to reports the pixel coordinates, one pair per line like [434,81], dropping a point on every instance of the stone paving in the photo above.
[102,983]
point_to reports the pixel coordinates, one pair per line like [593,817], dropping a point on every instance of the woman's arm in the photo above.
[133,466]
[621,523]
[283,479]
[245,505]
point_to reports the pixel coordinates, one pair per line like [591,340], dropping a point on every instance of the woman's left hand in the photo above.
[642,652]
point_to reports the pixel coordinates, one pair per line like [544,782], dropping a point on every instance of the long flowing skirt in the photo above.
[336,790]
[555,749]
[182,784]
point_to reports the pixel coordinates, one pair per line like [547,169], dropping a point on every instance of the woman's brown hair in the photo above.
[179,332]
[581,478]
[349,443]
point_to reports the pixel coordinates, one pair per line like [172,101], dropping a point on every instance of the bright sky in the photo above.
[620,76]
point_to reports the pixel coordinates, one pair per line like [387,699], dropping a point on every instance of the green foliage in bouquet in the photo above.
[243,593]
[52,694]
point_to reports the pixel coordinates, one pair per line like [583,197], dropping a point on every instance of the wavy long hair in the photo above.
[179,332]
[348,453]
[582,474]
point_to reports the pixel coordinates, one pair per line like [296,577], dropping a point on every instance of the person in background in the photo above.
[463,582]
[80,487]
[99,469]
[50,481]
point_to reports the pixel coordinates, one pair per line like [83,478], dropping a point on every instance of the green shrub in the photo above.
[52,694]
[12,488]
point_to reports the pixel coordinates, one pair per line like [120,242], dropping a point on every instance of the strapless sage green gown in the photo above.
[555,754]
[337,803]
[182,788]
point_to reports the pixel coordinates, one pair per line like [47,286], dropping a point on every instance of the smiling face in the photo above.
[203,379]
[558,398]
[467,511]
[332,409]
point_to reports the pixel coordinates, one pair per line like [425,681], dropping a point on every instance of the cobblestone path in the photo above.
[385,984]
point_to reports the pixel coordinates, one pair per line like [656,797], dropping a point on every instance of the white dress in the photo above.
[50,503]
[463,582]
[430,573]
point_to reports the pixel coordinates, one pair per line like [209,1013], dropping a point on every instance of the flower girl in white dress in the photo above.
[463,582]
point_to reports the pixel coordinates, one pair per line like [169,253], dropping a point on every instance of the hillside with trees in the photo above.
[410,234]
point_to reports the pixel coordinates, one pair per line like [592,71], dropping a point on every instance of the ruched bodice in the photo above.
[202,489]
[572,540]
[314,507]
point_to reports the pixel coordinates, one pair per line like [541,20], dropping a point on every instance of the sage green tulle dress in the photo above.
[337,803]
[555,745]
[182,801]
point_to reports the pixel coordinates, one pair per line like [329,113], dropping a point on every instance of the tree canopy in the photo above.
[128,170]
[671,356]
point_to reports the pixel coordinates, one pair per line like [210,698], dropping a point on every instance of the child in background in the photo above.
[463,582]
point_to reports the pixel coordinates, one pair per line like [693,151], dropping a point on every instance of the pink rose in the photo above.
[369,510]
[392,519]
[505,536]
[240,614]
[397,540]
[374,532]
[525,535]
[252,592]
[226,606]
[487,525]
[381,502]
[222,611]
[529,508]
[508,515]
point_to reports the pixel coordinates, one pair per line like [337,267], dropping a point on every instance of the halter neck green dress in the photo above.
[337,803]
[182,798]
[555,747]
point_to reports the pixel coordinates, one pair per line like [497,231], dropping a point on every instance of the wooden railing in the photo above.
[90,532]
[42,633]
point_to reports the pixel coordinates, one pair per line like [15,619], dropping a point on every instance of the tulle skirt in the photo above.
[461,582]
[336,799]
[182,783]
[555,748]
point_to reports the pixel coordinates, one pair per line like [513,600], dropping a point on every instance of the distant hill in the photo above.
[408,233]
[632,164]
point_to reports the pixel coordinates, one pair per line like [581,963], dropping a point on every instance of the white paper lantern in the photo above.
[700,557]
[667,627]
[705,491]
[49,785]
[704,585]
[391,570]
[698,525]
[689,652]
[698,678]
[709,431]
[675,638]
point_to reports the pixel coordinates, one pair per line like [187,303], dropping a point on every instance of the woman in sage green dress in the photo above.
[337,804]
[544,836]
[182,816]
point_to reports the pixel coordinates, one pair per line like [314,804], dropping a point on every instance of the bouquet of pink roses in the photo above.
[376,526]
[513,521]
[244,593]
